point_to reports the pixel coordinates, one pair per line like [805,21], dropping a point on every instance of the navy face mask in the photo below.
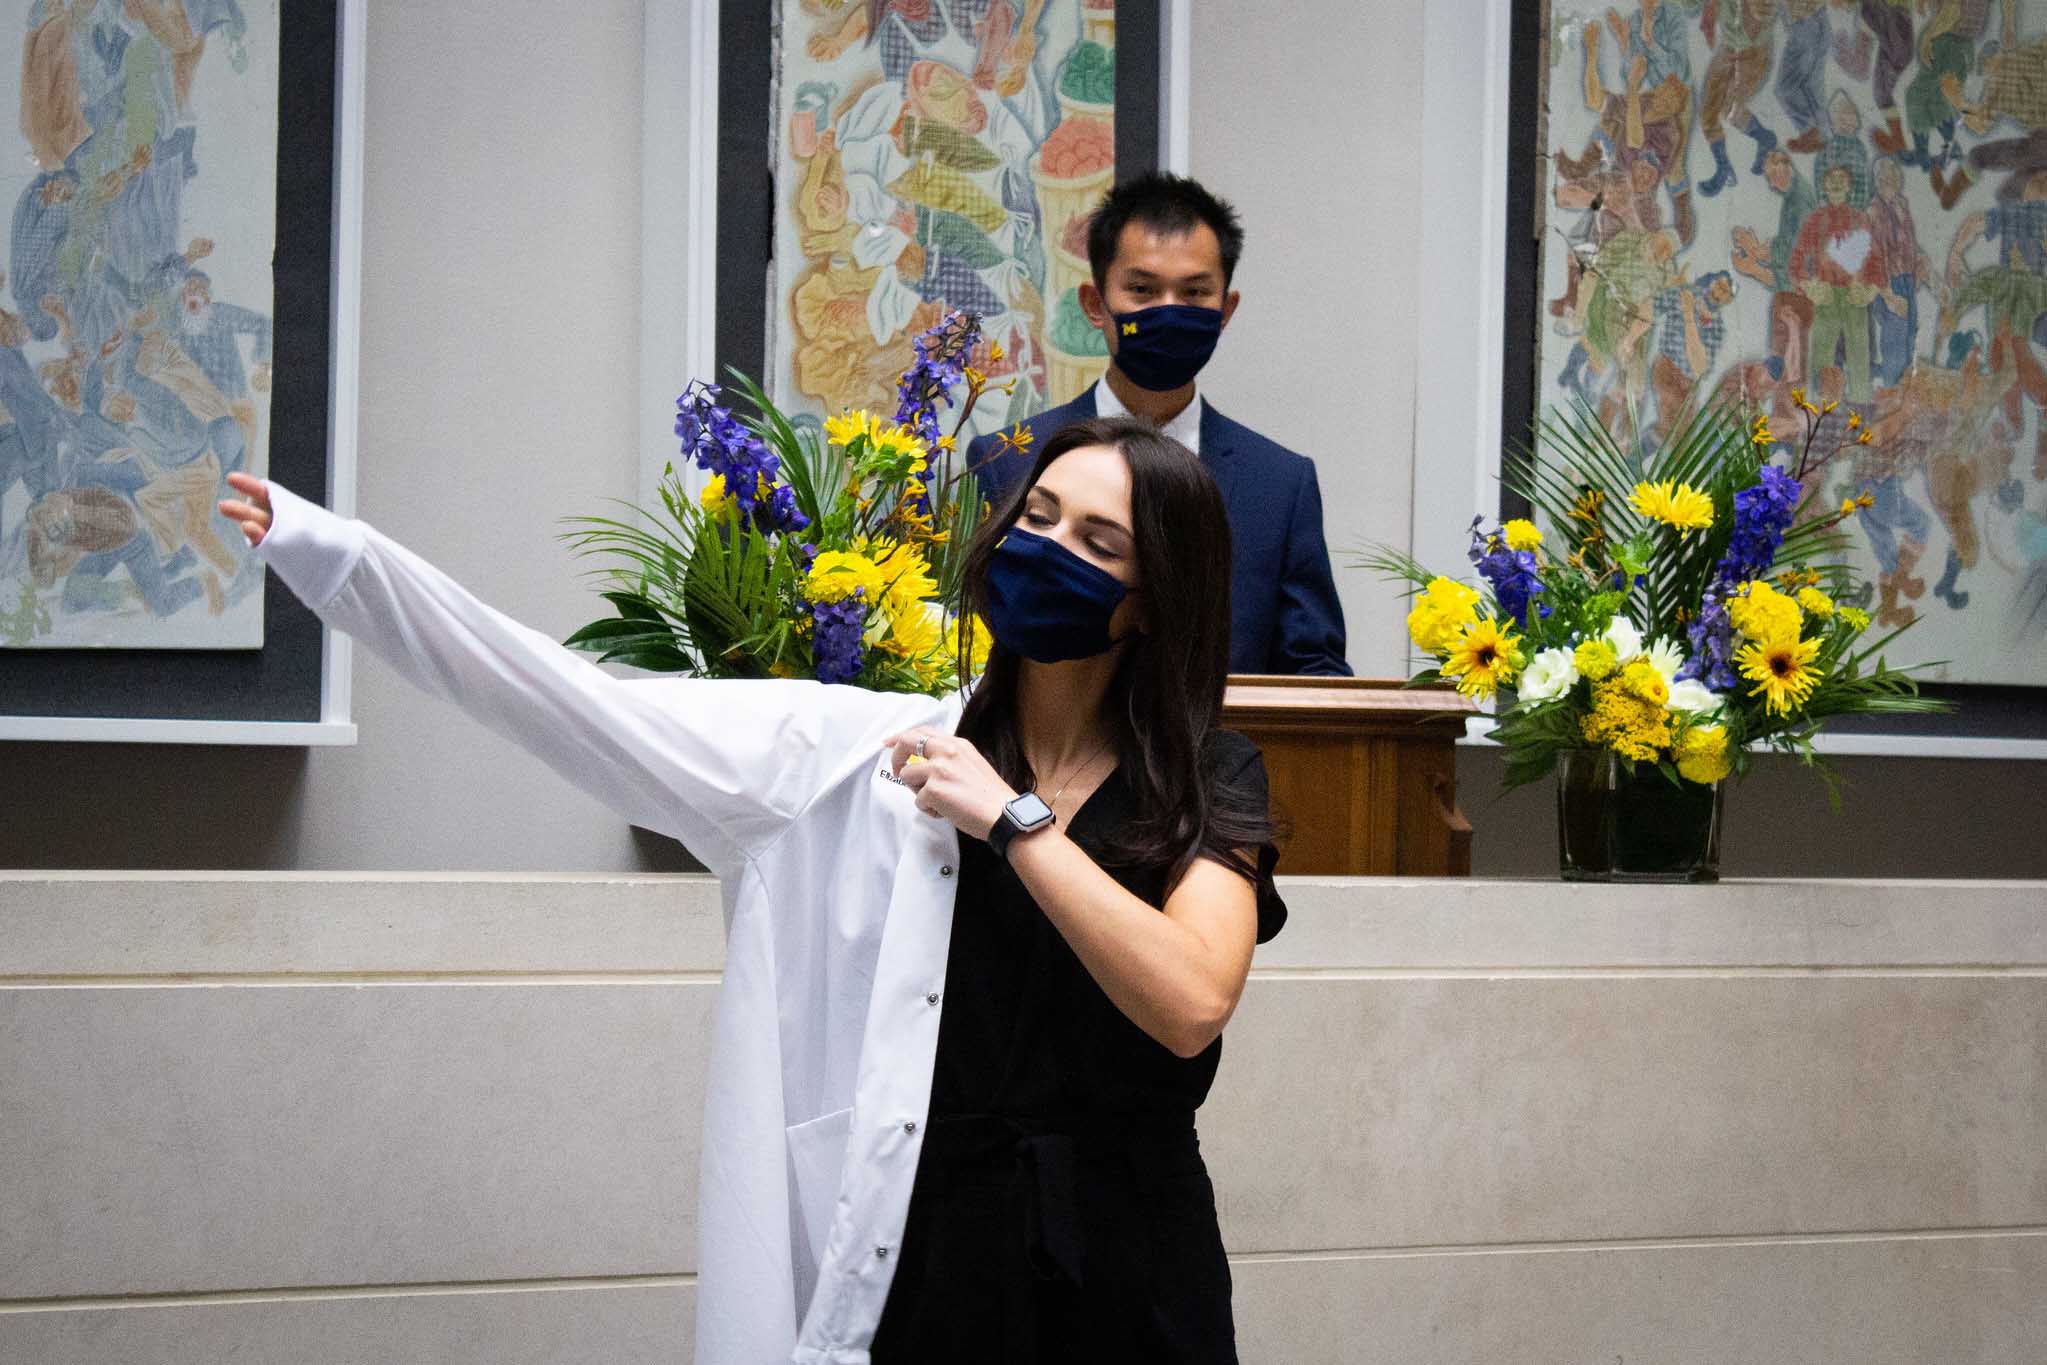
[1046,602]
[1163,348]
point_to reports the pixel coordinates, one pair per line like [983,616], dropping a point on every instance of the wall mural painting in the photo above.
[1847,198]
[135,323]
[938,154]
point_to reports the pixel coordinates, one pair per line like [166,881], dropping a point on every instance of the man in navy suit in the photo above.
[1163,251]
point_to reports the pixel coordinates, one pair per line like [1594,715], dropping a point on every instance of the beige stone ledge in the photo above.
[108,925]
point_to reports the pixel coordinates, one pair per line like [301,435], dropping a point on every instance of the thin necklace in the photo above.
[1100,749]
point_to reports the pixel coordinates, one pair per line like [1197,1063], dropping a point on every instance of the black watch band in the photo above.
[1022,815]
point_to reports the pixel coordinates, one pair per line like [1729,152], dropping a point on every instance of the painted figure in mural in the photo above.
[1947,51]
[1844,148]
[1689,335]
[1162,253]
[1890,218]
[1740,32]
[1770,265]
[1609,199]
[1802,70]
[2012,292]
[1890,22]
[1650,112]
[1838,264]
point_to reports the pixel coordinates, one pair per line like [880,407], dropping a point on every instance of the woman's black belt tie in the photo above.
[1045,1159]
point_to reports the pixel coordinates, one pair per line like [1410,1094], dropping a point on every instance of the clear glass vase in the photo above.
[1618,822]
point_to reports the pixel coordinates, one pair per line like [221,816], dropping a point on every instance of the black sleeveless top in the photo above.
[1061,1209]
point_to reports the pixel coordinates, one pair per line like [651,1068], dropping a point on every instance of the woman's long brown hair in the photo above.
[1167,692]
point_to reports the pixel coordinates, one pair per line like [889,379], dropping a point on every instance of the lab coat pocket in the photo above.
[817,1155]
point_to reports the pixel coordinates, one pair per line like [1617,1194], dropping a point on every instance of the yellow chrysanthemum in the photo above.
[1625,723]
[1702,754]
[1521,534]
[906,577]
[1644,681]
[914,629]
[848,427]
[1677,505]
[1441,611]
[1856,619]
[1595,659]
[714,498]
[838,574]
[1483,657]
[1763,613]
[1781,670]
[1816,602]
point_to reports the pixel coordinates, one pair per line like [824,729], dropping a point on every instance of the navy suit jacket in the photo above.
[1284,616]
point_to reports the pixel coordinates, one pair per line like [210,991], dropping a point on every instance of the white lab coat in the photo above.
[838,909]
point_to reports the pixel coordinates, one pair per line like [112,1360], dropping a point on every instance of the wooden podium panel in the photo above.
[1362,770]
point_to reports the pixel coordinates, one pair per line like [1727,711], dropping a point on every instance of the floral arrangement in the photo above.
[815,550]
[1682,610]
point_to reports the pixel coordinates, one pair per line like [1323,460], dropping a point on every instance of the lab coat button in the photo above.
[910,1127]
[881,1253]
[931,999]
[945,871]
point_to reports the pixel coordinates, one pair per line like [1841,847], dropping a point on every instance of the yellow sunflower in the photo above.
[1483,657]
[1677,505]
[1781,670]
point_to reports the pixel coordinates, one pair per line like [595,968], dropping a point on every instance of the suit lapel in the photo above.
[1217,446]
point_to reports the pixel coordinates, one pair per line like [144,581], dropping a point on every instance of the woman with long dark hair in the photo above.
[1075,860]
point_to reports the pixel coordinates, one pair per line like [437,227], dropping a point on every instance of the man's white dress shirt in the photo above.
[1184,428]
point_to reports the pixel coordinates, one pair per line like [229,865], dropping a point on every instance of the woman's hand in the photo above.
[252,516]
[950,779]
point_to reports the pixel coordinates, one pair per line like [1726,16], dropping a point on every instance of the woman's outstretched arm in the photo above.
[722,766]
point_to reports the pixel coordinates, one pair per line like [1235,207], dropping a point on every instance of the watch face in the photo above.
[1029,810]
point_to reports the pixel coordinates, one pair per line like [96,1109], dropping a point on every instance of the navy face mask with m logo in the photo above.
[1045,602]
[1163,348]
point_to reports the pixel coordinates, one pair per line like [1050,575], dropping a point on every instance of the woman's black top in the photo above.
[1061,1209]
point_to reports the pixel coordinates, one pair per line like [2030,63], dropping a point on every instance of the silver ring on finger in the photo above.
[922,741]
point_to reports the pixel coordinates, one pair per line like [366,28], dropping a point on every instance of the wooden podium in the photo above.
[1362,770]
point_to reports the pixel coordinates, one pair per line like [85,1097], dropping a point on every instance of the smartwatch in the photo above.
[1022,815]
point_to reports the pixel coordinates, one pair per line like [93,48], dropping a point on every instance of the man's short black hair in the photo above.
[1168,204]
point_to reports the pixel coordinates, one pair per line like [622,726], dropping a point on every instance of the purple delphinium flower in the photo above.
[720,443]
[1512,573]
[835,637]
[1762,514]
[780,513]
[1712,641]
[941,363]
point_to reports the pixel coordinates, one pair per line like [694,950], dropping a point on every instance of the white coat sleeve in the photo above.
[722,766]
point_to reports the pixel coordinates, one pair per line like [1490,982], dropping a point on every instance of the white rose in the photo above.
[1666,658]
[1625,639]
[1693,697]
[1548,675]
